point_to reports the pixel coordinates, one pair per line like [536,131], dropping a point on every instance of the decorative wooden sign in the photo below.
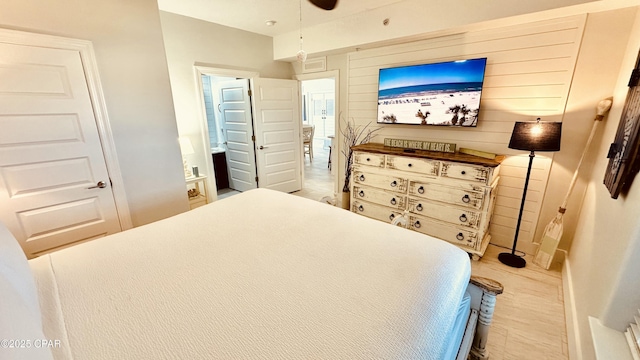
[421,145]
[623,153]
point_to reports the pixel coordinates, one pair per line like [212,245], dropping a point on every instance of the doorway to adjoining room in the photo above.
[318,113]
[317,109]
[217,139]
[258,137]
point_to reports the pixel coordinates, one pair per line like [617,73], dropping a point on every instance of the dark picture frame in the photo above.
[623,152]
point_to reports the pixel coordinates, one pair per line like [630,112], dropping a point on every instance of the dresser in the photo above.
[447,196]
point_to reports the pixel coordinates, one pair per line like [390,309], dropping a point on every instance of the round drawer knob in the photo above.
[466,198]
[463,172]
[460,236]
[410,165]
[368,159]
[419,207]
[391,216]
[463,218]
[417,224]
[394,183]
[421,190]
[361,177]
[361,193]
[393,201]
[360,208]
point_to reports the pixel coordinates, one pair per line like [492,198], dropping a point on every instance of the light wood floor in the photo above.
[318,182]
[529,318]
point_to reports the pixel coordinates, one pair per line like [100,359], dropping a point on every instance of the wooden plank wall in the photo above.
[528,75]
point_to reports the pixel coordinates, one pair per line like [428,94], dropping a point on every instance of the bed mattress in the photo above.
[260,275]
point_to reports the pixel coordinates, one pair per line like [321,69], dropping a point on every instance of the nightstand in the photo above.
[197,191]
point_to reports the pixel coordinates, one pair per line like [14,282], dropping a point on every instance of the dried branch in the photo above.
[353,135]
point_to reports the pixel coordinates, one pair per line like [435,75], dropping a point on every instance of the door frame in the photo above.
[232,128]
[94,85]
[198,71]
[335,74]
[262,88]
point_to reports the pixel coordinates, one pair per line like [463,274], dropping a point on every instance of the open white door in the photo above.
[277,130]
[54,185]
[235,115]
[322,106]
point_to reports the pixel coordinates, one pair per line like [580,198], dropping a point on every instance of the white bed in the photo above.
[260,275]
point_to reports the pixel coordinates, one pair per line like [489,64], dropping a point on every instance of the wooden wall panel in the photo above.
[528,75]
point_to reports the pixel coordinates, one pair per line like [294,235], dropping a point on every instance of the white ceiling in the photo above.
[251,15]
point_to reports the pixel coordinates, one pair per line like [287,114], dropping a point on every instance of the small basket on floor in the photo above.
[331,200]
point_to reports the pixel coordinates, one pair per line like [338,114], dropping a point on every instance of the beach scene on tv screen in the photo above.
[446,94]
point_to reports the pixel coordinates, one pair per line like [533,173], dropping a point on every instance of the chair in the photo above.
[331,138]
[307,137]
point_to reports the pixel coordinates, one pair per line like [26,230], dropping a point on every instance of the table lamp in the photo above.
[186,149]
[531,136]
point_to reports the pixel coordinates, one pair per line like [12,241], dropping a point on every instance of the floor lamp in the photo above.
[531,136]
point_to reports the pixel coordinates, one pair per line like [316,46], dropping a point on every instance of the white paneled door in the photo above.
[235,116]
[54,185]
[322,106]
[277,130]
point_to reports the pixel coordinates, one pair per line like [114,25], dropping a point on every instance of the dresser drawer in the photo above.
[466,172]
[374,211]
[380,197]
[415,165]
[385,182]
[450,198]
[447,232]
[369,159]
[450,214]
[456,195]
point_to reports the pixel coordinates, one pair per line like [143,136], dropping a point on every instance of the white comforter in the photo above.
[261,275]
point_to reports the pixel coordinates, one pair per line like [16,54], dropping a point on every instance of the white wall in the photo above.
[528,75]
[602,50]
[191,42]
[409,20]
[604,255]
[131,61]
[596,63]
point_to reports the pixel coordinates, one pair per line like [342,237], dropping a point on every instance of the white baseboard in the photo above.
[573,330]
[609,343]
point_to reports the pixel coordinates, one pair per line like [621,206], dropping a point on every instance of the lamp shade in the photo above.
[536,136]
[325,4]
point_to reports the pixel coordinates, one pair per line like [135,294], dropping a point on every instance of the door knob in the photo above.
[262,147]
[100,184]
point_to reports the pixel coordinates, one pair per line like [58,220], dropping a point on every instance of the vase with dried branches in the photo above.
[352,135]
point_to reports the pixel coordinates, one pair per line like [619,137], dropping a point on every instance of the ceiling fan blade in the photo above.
[325,4]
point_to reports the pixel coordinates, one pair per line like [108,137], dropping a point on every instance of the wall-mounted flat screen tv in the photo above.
[444,94]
